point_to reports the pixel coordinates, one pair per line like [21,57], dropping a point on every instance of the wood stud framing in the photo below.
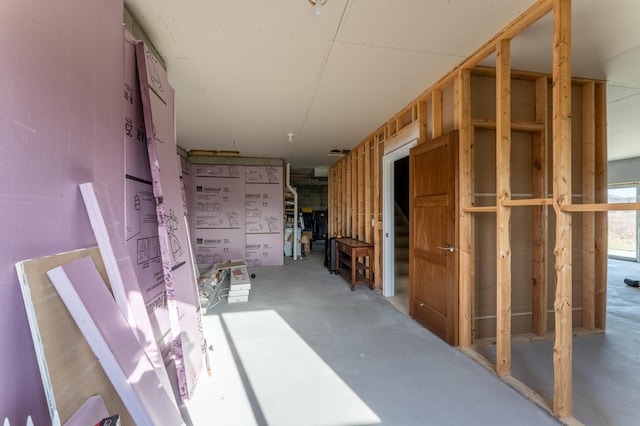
[377,207]
[503,212]
[466,257]
[356,189]
[540,215]
[588,197]
[368,190]
[562,349]
[436,113]
[601,228]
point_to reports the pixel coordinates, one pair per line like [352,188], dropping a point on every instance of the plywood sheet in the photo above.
[60,344]
[105,328]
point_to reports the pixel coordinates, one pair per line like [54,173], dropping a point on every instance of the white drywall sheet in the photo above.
[90,413]
[126,290]
[113,342]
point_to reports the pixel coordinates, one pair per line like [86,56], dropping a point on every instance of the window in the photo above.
[623,224]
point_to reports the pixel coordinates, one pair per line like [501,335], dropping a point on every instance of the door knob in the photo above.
[448,248]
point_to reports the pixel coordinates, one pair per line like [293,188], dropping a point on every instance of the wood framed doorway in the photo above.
[433,252]
[388,197]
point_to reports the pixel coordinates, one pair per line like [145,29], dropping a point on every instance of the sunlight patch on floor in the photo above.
[285,381]
[220,398]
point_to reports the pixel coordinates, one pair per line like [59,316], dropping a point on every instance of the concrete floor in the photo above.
[606,367]
[305,350]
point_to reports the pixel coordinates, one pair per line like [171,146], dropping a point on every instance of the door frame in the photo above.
[388,195]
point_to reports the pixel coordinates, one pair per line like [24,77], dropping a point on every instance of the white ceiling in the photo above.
[248,72]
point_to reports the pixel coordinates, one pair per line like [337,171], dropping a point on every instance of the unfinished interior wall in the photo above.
[541,232]
[523,110]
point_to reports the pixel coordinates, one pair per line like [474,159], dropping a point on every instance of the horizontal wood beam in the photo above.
[569,208]
[485,209]
[528,202]
[529,75]
[517,126]
[599,207]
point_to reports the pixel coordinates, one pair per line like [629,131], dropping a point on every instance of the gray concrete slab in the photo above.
[305,350]
[606,367]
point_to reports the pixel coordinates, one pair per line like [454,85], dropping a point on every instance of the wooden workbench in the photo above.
[353,261]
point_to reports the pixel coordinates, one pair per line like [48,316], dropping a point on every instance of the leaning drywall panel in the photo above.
[90,413]
[101,322]
[129,294]
[60,344]
[177,259]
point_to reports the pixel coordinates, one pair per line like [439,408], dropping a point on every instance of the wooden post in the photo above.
[562,350]
[436,113]
[466,276]
[360,174]
[339,202]
[422,120]
[368,192]
[503,213]
[346,197]
[330,202]
[353,212]
[377,203]
[588,197]
[601,196]
[540,214]
[346,203]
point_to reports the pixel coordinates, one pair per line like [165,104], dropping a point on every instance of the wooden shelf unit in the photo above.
[353,261]
[289,208]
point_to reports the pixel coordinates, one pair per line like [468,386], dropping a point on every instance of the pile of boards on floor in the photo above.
[211,283]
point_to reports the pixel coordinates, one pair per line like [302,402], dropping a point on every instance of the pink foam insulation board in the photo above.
[177,259]
[218,217]
[105,328]
[128,293]
[263,250]
[264,216]
[238,213]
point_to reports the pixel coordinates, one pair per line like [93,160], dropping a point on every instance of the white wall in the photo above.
[622,171]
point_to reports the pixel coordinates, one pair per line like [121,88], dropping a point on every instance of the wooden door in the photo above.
[433,263]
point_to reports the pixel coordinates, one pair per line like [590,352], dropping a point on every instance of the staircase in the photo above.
[401,248]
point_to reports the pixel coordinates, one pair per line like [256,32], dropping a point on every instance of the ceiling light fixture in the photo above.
[291,135]
[338,152]
[317,5]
